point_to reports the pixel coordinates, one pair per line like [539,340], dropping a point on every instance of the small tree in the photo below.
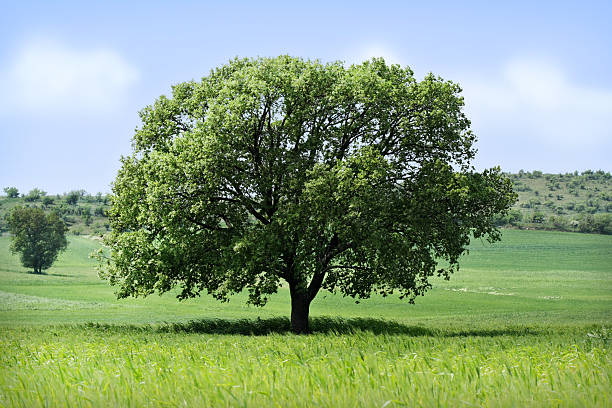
[47,201]
[73,197]
[355,180]
[86,215]
[100,212]
[37,236]
[11,192]
[34,195]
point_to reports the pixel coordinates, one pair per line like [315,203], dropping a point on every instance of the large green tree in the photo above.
[281,171]
[37,236]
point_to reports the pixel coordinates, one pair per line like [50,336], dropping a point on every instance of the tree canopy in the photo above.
[11,192]
[37,236]
[272,170]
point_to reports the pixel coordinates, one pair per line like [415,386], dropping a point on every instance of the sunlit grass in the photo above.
[98,366]
[526,322]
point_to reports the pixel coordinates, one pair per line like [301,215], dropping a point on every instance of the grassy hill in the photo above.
[83,213]
[580,202]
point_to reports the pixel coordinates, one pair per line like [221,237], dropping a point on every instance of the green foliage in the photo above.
[73,197]
[513,218]
[100,212]
[47,201]
[37,236]
[11,192]
[354,180]
[34,195]
[599,223]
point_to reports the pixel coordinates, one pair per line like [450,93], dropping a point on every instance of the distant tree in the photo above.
[37,236]
[519,186]
[599,223]
[534,202]
[11,192]
[34,195]
[513,217]
[355,180]
[47,201]
[73,197]
[559,223]
[603,223]
[86,215]
[100,212]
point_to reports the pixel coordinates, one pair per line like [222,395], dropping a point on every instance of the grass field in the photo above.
[526,322]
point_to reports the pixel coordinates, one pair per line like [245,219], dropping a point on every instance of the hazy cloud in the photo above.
[371,50]
[537,99]
[46,77]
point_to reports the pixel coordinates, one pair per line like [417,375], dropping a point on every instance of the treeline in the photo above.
[578,201]
[82,212]
[589,223]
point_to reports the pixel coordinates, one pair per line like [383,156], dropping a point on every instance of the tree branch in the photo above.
[356,267]
[248,203]
[207,226]
[334,248]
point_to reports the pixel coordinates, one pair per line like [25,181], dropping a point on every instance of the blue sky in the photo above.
[73,75]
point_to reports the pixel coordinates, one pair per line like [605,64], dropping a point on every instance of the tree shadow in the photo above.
[282,325]
[44,273]
[321,325]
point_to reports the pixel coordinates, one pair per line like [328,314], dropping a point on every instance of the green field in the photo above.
[526,322]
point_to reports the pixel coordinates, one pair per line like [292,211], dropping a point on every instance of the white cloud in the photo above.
[538,99]
[47,77]
[373,50]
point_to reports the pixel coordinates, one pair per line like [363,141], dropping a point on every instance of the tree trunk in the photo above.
[300,307]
